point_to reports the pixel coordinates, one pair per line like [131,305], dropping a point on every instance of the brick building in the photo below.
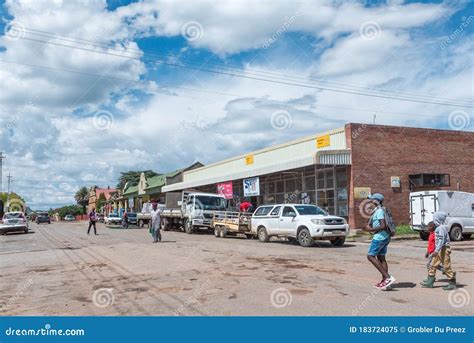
[336,170]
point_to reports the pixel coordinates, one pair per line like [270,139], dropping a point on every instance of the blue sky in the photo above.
[92,89]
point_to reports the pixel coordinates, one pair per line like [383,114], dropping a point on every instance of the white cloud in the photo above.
[47,139]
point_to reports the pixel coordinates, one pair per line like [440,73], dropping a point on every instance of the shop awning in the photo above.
[336,157]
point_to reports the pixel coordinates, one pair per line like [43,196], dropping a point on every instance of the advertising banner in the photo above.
[225,189]
[251,187]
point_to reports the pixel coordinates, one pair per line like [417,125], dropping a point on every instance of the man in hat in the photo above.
[380,241]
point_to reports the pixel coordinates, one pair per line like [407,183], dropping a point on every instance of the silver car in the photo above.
[14,222]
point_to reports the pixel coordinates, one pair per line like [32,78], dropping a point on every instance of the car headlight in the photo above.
[344,220]
[317,221]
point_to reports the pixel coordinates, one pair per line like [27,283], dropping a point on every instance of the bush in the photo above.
[404,229]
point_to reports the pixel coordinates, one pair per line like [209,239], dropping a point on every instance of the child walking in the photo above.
[431,246]
[441,254]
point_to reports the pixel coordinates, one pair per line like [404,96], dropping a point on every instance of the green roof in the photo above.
[160,180]
[131,190]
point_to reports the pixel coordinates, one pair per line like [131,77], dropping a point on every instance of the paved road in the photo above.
[59,270]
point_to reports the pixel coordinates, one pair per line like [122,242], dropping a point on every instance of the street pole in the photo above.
[1,170]
[9,177]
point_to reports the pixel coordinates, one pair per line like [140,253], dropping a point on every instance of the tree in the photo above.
[82,198]
[100,202]
[16,202]
[133,177]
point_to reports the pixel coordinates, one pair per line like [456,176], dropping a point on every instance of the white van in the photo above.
[459,206]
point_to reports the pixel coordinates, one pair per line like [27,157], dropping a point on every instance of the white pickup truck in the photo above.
[297,222]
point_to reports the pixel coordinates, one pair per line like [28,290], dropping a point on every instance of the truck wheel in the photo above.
[140,223]
[338,242]
[223,232]
[456,233]
[304,238]
[466,236]
[424,235]
[263,235]
[188,227]
[217,232]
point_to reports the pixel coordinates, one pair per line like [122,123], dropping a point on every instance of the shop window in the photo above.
[271,187]
[290,185]
[427,180]
[309,183]
[280,187]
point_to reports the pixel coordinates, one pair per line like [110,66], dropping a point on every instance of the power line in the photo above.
[202,90]
[249,71]
[261,78]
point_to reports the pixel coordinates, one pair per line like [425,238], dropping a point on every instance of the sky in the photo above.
[93,88]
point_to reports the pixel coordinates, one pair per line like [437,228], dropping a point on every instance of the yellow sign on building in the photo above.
[249,159]
[323,141]
[362,192]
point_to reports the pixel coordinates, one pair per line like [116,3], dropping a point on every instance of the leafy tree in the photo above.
[17,203]
[133,177]
[100,202]
[82,198]
[65,210]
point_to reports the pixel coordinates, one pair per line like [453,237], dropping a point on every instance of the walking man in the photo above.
[380,241]
[92,221]
[155,223]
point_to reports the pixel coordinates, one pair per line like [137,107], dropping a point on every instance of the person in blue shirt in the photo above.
[380,241]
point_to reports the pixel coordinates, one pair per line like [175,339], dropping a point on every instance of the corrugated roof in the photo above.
[160,180]
[131,190]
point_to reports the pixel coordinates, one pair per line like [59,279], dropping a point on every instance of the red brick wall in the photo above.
[379,152]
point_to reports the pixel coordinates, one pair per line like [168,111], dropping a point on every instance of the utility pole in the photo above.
[375,116]
[9,177]
[1,170]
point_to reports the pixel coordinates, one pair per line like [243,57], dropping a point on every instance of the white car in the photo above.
[13,222]
[303,223]
[113,218]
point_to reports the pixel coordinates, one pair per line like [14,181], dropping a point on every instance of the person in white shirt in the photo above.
[155,223]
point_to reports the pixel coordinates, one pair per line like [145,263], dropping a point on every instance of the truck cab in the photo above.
[298,222]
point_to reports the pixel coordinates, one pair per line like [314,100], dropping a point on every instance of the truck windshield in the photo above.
[305,210]
[210,202]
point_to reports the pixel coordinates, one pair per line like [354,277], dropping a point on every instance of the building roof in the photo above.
[106,191]
[131,190]
[328,147]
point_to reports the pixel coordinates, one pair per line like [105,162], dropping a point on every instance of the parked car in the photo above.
[459,206]
[100,217]
[132,218]
[69,218]
[113,218]
[43,217]
[297,222]
[14,222]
